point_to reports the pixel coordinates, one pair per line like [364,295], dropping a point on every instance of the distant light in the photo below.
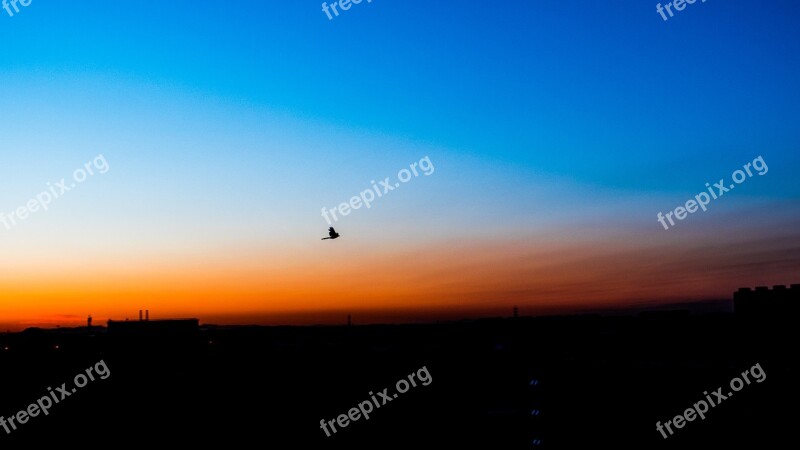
[5,348]
[211,342]
[56,347]
[534,382]
[535,412]
[537,442]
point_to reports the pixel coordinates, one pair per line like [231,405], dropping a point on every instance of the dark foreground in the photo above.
[569,382]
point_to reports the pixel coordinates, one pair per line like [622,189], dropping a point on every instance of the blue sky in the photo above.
[233,123]
[575,89]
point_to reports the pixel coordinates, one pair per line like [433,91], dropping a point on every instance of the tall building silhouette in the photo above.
[779,301]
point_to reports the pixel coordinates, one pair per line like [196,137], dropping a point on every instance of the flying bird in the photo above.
[332,234]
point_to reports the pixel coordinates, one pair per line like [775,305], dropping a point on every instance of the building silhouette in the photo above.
[762,301]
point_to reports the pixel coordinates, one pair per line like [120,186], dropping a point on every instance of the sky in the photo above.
[552,133]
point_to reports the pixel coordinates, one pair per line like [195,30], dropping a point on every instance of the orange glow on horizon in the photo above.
[440,280]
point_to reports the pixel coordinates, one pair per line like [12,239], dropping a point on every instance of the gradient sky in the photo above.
[557,129]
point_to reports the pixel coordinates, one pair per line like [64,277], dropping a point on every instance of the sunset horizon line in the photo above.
[409,316]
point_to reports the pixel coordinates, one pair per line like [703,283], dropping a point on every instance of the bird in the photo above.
[332,234]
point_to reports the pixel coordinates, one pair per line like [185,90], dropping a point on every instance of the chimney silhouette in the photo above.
[147,315]
[140,315]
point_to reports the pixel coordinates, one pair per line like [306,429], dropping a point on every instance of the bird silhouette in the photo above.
[332,234]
